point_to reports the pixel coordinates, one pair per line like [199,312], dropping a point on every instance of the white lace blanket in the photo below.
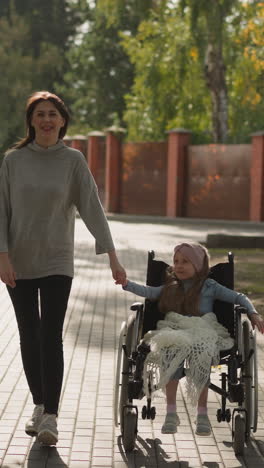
[195,340]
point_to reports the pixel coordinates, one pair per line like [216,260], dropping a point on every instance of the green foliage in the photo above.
[34,36]
[99,73]
[132,62]
[17,68]
[246,72]
[120,12]
[168,89]
[22,74]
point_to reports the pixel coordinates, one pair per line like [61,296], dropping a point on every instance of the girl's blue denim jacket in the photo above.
[210,291]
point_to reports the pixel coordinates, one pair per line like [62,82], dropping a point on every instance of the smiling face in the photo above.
[47,122]
[183,268]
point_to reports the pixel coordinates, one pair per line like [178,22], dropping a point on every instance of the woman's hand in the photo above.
[7,273]
[257,321]
[118,272]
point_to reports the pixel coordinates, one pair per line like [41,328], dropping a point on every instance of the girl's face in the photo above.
[47,122]
[183,268]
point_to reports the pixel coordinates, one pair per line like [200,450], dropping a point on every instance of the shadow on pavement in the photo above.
[148,450]
[151,449]
[42,457]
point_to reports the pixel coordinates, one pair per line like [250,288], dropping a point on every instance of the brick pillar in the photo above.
[113,169]
[79,142]
[94,143]
[257,178]
[178,142]
[67,140]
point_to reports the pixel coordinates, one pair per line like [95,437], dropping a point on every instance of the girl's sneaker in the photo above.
[171,422]
[48,432]
[203,426]
[32,425]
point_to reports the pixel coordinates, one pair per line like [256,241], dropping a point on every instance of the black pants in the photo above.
[40,331]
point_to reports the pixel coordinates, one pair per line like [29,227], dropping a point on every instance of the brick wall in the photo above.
[143,178]
[174,178]
[218,182]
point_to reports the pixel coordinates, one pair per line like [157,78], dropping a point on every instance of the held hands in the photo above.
[7,273]
[122,281]
[257,321]
[118,272]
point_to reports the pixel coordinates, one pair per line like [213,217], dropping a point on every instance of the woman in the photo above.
[42,182]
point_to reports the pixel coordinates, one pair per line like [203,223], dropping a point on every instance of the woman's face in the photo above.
[47,122]
[183,268]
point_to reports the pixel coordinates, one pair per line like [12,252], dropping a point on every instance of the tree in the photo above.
[168,89]
[183,50]
[100,73]
[208,23]
[21,74]
[51,24]
[120,12]
[246,71]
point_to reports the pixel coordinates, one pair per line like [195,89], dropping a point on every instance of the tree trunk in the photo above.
[214,72]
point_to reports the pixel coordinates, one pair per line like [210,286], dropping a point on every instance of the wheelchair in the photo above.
[239,380]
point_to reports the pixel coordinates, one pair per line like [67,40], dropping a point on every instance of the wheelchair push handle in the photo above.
[231,257]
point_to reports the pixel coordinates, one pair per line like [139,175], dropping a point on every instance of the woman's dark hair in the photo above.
[32,101]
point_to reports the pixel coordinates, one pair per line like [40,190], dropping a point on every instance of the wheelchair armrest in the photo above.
[138,306]
[241,309]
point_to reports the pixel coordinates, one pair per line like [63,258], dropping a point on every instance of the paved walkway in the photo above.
[97,307]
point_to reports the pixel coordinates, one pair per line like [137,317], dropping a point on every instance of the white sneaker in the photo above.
[33,423]
[48,432]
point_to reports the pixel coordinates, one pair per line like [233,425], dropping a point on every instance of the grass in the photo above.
[249,273]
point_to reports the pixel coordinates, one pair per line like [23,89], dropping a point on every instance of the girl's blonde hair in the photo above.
[174,298]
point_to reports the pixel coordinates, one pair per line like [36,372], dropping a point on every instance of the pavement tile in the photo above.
[102,461]
[190,453]
[82,456]
[191,463]
[87,436]
[210,457]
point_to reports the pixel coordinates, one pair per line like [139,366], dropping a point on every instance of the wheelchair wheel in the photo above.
[255,384]
[123,400]
[239,434]
[247,376]
[122,337]
[129,434]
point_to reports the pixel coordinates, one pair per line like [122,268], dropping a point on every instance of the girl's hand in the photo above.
[257,321]
[7,273]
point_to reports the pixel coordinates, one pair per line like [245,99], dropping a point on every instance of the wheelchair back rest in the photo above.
[223,273]
[156,274]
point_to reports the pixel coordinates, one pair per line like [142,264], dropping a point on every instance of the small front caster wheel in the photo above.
[144,412]
[219,415]
[228,415]
[153,412]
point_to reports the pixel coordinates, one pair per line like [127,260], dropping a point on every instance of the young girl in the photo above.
[188,291]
